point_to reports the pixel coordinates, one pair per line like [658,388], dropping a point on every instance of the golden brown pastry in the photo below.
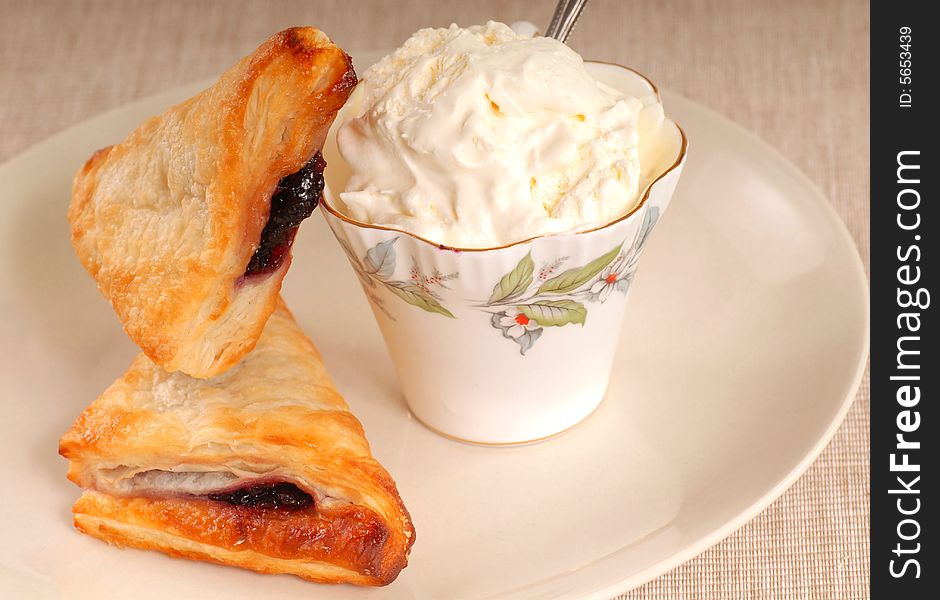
[263,467]
[187,224]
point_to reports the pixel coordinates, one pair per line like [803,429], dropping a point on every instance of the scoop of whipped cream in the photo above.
[480,137]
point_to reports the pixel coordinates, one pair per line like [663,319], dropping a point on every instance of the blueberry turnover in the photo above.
[263,467]
[187,225]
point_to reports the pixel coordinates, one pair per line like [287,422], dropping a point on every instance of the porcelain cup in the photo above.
[511,344]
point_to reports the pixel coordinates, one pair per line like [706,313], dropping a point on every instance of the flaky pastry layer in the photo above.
[168,220]
[340,545]
[156,447]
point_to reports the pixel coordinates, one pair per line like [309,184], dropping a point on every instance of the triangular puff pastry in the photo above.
[187,224]
[263,467]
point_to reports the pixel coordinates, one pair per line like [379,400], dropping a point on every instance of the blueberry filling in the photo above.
[285,496]
[293,201]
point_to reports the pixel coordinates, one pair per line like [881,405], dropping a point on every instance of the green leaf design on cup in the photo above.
[380,259]
[521,307]
[554,313]
[521,313]
[378,267]
[514,282]
[572,279]
[416,296]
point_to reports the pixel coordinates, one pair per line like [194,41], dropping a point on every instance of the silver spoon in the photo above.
[565,18]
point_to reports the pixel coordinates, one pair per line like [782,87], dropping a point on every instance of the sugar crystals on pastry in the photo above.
[187,224]
[263,467]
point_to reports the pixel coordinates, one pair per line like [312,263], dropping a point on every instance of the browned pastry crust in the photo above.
[168,220]
[155,445]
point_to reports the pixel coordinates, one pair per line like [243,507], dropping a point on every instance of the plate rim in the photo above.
[744,517]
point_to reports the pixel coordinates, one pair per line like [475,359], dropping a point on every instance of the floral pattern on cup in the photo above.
[527,303]
[524,302]
[377,268]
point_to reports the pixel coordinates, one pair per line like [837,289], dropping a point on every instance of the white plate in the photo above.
[748,335]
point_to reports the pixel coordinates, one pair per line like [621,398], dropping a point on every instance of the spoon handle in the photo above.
[565,18]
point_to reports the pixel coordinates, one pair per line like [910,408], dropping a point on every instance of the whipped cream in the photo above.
[481,137]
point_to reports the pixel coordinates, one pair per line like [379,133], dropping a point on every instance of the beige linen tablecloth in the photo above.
[794,72]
